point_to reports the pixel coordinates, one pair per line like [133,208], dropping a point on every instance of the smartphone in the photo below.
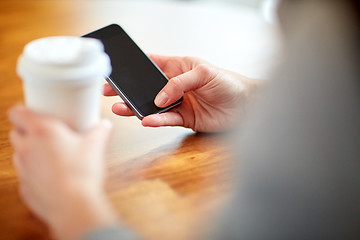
[135,77]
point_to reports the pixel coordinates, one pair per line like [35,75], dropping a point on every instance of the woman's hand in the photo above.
[211,95]
[61,172]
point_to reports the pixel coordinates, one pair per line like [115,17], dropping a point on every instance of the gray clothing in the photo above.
[299,157]
[111,233]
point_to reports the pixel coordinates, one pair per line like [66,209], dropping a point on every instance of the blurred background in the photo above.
[239,35]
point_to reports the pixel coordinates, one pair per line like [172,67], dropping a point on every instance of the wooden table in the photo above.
[163,182]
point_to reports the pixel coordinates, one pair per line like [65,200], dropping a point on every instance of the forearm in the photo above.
[250,88]
[84,214]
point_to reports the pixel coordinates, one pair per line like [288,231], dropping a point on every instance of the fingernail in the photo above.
[161,99]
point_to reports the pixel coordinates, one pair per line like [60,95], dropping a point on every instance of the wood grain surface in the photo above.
[163,182]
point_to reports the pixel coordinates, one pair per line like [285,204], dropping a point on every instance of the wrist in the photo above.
[82,214]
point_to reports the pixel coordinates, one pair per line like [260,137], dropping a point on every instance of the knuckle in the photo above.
[40,130]
[45,128]
[187,59]
[205,69]
[175,83]
[188,62]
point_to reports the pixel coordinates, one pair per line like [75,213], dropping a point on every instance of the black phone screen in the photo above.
[133,73]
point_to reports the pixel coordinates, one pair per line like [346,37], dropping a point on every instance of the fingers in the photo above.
[163,119]
[17,116]
[160,61]
[101,130]
[18,141]
[189,81]
[154,120]
[119,108]
[122,109]
[108,91]
[98,136]
[174,66]
[27,121]
[21,166]
[170,66]
[18,164]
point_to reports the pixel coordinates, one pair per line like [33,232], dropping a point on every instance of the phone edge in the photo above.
[118,90]
[133,108]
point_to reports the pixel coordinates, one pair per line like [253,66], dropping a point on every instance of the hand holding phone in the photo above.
[135,78]
[211,95]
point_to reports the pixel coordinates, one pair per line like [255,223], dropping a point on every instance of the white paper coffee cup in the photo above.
[62,77]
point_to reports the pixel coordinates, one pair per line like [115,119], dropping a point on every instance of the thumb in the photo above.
[189,81]
[98,137]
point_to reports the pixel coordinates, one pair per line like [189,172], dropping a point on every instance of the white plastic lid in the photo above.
[64,59]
